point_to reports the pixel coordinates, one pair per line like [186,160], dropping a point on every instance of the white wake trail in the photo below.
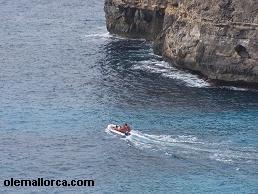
[192,147]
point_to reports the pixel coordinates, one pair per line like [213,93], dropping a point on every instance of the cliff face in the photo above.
[135,19]
[217,38]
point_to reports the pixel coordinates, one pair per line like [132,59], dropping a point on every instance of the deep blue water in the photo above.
[63,79]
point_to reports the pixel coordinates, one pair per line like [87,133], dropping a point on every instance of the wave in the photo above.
[108,35]
[99,35]
[166,70]
[188,146]
[234,88]
[191,80]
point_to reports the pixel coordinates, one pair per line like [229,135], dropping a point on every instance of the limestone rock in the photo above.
[215,38]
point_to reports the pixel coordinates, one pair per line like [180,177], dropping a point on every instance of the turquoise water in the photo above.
[63,79]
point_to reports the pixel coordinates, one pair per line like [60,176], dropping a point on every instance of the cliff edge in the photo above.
[215,38]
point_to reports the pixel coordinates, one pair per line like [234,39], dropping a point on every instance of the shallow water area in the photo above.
[64,78]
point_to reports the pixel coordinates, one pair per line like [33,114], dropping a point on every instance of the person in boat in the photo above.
[125,129]
[119,128]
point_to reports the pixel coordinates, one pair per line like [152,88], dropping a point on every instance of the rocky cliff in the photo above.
[215,38]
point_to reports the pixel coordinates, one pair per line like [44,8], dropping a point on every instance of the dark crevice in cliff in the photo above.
[241,51]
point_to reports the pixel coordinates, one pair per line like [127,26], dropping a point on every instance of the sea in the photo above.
[64,79]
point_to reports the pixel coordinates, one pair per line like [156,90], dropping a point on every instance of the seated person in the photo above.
[123,129]
[127,128]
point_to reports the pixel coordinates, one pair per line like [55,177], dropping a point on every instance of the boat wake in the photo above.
[192,147]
